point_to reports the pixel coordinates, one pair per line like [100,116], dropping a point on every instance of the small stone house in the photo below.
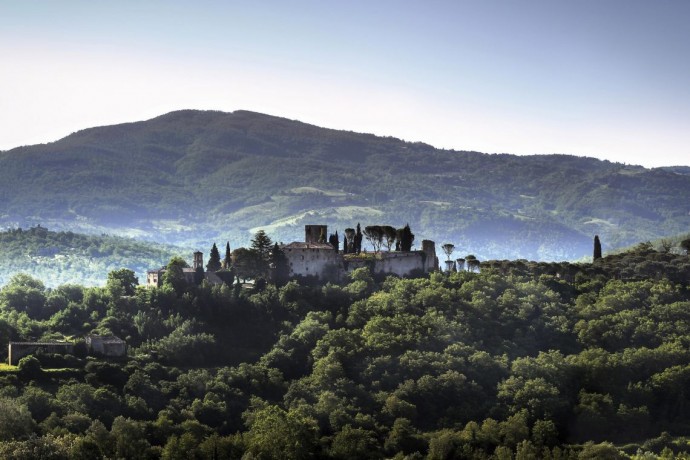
[106,345]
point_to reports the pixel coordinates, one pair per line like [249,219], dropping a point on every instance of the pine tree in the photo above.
[213,264]
[262,244]
[448,248]
[389,236]
[597,248]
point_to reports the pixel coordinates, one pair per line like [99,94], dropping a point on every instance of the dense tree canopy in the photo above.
[517,360]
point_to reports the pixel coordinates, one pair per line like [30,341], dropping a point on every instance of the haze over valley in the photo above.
[192,177]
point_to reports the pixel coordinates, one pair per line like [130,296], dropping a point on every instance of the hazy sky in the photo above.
[603,78]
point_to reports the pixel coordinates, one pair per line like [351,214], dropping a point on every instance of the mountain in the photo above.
[189,177]
[58,258]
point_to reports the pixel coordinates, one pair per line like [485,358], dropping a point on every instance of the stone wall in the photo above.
[312,260]
[18,350]
[106,345]
[391,263]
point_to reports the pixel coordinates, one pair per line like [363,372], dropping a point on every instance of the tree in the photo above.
[125,278]
[262,244]
[406,239]
[214,264]
[30,367]
[278,434]
[350,235]
[227,260]
[130,438]
[389,236]
[23,293]
[448,249]
[461,264]
[358,239]
[374,235]
[15,420]
[685,245]
[597,248]
[246,263]
[334,241]
[472,263]
[280,266]
[666,245]
[174,275]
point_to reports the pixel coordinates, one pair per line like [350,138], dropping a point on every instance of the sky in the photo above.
[608,79]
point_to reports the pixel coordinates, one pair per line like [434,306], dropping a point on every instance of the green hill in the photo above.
[65,257]
[193,176]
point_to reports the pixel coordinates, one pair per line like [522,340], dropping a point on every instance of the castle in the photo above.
[313,258]
[323,261]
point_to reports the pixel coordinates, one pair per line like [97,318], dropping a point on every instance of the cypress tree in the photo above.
[227,260]
[213,264]
[358,239]
[280,266]
[597,248]
[406,239]
[350,238]
[334,241]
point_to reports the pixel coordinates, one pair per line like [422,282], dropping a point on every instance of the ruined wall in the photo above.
[106,345]
[394,263]
[18,350]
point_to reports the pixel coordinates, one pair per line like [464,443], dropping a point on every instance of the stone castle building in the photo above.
[314,257]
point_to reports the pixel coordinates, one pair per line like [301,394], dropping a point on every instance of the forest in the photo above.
[60,257]
[205,175]
[518,360]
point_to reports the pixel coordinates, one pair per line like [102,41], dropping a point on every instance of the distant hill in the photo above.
[192,176]
[64,257]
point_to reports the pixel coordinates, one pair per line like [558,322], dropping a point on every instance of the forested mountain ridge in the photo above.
[66,257]
[193,176]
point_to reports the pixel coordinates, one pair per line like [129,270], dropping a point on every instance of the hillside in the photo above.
[193,176]
[70,258]
[520,361]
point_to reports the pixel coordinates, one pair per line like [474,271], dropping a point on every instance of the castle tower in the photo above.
[429,248]
[316,233]
[198,260]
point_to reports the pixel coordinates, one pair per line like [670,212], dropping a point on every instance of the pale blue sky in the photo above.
[603,78]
